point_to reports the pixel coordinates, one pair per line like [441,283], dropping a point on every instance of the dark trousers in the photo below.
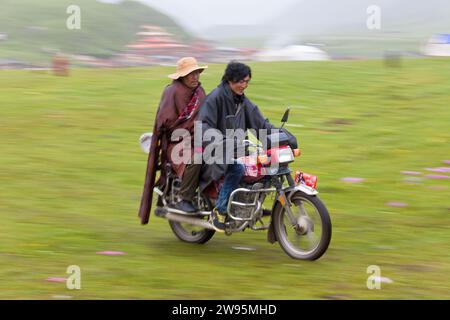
[189,183]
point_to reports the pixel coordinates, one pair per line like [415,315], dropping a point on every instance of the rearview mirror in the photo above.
[285,116]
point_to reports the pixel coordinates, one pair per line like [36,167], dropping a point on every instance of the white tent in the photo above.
[438,45]
[293,53]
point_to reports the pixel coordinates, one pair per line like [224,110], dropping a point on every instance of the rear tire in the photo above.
[183,233]
[291,241]
[193,234]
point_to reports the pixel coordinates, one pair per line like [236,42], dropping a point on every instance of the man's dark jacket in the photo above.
[219,104]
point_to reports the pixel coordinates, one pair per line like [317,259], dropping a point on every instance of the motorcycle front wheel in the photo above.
[309,237]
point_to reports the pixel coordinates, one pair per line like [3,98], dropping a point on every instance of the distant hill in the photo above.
[36,28]
[341,26]
[344,16]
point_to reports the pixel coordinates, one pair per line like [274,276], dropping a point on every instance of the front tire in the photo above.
[310,237]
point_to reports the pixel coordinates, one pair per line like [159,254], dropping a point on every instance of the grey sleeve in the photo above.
[209,117]
[208,114]
[255,119]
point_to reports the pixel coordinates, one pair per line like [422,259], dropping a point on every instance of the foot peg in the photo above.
[160,212]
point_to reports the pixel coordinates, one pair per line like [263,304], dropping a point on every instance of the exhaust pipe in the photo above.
[164,213]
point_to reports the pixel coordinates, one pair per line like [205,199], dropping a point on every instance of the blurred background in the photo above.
[367,83]
[147,32]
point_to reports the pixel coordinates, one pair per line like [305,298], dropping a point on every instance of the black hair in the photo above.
[236,71]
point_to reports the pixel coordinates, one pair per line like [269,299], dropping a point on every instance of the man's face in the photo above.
[240,86]
[191,80]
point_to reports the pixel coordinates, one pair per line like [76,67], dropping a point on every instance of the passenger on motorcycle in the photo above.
[178,109]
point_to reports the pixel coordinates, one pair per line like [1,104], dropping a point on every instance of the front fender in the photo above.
[306,189]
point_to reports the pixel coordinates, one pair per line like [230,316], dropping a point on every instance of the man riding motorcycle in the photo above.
[228,99]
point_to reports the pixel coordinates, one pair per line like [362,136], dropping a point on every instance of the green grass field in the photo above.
[71,177]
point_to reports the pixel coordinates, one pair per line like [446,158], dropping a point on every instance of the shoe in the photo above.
[218,220]
[186,206]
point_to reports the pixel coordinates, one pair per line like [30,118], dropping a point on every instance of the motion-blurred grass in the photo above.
[71,177]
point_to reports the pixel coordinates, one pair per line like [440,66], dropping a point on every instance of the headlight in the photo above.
[281,155]
[285,155]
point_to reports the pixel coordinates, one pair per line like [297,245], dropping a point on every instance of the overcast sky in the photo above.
[197,15]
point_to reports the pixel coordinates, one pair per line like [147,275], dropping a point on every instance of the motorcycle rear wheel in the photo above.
[193,234]
[313,227]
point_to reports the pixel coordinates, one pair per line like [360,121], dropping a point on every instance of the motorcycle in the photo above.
[299,221]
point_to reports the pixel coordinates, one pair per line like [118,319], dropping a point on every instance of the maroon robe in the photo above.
[174,101]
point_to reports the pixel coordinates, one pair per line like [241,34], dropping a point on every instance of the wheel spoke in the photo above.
[298,240]
[311,235]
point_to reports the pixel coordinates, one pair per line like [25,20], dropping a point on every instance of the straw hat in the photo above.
[185,66]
